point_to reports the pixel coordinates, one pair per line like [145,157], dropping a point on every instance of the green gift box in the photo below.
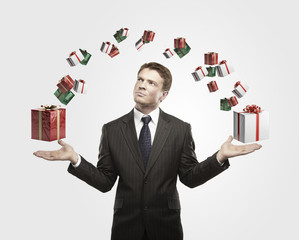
[224,105]
[182,51]
[64,98]
[86,56]
[211,71]
[118,37]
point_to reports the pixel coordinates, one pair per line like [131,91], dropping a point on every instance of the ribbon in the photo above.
[224,62]
[201,70]
[40,119]
[83,82]
[139,41]
[122,31]
[168,50]
[74,53]
[239,84]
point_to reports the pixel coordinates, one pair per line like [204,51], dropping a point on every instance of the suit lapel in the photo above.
[130,135]
[162,132]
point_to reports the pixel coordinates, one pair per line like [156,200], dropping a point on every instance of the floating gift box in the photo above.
[124,32]
[106,47]
[224,105]
[114,51]
[80,86]
[211,71]
[86,55]
[75,58]
[200,73]
[48,123]
[66,84]
[179,43]
[181,52]
[120,35]
[212,86]
[148,36]
[251,125]
[64,98]
[224,68]
[211,58]
[240,89]
[139,44]
[168,53]
[232,101]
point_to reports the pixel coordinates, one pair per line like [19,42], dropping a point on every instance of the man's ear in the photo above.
[164,95]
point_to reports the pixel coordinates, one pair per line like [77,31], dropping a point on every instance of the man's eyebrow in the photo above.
[139,77]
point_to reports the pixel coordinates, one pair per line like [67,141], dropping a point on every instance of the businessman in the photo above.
[147,149]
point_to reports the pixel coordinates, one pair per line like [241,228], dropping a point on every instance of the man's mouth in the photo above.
[140,94]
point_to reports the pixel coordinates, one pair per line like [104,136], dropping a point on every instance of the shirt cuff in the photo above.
[78,162]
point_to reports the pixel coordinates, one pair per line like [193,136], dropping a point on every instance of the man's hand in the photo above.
[65,153]
[229,150]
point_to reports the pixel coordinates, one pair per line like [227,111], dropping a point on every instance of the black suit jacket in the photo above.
[147,199]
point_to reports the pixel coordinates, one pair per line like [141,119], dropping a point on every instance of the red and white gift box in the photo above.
[75,58]
[240,89]
[124,32]
[106,47]
[200,73]
[80,86]
[139,44]
[179,43]
[66,84]
[212,86]
[232,101]
[148,35]
[211,58]
[114,51]
[224,68]
[251,125]
[168,53]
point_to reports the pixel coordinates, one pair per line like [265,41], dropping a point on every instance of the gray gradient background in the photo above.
[257,198]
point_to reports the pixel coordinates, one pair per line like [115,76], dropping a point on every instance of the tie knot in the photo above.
[146,119]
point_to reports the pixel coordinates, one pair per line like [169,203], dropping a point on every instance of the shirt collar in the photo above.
[154,115]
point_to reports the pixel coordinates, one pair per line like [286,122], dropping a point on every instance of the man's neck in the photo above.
[145,110]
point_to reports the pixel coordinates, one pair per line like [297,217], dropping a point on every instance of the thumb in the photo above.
[62,143]
[230,139]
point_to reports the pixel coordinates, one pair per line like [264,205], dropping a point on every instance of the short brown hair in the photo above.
[163,72]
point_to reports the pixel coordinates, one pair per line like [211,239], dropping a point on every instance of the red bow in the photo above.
[252,109]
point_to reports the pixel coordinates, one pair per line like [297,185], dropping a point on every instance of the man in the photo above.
[147,149]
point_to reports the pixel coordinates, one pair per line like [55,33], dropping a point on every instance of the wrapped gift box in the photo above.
[232,101]
[148,36]
[200,73]
[251,126]
[106,47]
[179,43]
[168,53]
[211,71]
[80,86]
[224,105]
[114,51]
[240,89]
[64,98]
[124,32]
[181,52]
[48,123]
[211,58]
[139,44]
[66,84]
[212,86]
[119,37]
[75,58]
[86,55]
[224,68]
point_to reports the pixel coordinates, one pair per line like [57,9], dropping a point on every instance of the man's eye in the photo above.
[138,80]
[152,83]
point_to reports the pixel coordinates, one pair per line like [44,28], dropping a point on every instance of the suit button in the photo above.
[145,181]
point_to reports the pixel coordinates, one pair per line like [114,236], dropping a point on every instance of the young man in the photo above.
[147,149]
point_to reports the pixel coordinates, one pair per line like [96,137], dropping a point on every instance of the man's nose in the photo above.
[142,85]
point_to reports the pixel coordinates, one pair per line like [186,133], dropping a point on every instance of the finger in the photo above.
[62,143]
[230,139]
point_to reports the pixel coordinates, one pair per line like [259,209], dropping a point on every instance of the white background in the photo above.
[257,198]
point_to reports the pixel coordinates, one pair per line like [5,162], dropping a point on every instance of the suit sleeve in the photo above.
[191,172]
[101,177]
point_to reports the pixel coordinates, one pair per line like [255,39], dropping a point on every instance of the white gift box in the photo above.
[240,89]
[75,58]
[80,86]
[224,68]
[251,127]
[200,73]
[139,44]
[106,47]
[124,32]
[168,53]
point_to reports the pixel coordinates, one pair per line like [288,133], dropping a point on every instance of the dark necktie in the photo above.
[145,140]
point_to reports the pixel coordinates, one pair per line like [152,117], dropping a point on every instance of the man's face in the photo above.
[148,90]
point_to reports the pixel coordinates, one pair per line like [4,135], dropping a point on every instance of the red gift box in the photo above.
[148,35]
[66,84]
[179,43]
[211,58]
[212,86]
[114,51]
[48,123]
[232,101]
